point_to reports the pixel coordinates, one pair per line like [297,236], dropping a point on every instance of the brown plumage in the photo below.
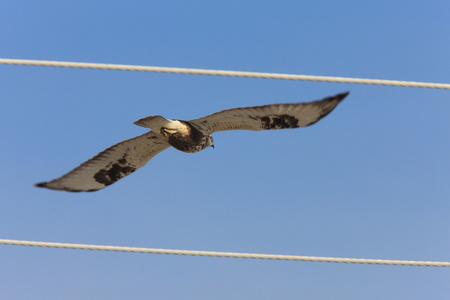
[190,136]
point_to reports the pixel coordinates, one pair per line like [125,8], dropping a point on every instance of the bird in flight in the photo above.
[191,136]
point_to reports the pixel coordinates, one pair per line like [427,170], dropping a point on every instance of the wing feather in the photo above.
[110,165]
[274,116]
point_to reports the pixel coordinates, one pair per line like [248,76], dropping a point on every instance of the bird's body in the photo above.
[185,136]
[190,136]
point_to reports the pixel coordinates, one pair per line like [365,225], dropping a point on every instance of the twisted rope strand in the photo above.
[222,73]
[227,254]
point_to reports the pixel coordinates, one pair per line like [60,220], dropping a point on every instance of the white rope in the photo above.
[221,73]
[227,254]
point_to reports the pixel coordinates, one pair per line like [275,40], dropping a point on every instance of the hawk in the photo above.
[191,136]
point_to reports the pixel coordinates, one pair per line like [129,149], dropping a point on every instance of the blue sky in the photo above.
[371,180]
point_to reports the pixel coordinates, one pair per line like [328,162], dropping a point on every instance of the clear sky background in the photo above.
[371,180]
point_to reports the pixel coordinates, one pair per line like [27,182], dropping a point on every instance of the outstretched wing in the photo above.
[275,116]
[110,165]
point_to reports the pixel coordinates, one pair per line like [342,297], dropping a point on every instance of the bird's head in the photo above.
[210,142]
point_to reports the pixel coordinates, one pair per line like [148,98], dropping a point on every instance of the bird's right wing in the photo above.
[110,165]
[265,117]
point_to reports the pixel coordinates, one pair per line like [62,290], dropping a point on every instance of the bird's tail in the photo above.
[153,122]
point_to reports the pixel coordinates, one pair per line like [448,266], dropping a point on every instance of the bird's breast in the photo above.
[191,140]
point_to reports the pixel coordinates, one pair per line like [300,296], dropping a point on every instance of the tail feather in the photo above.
[153,122]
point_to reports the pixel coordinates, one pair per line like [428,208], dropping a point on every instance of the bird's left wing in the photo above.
[274,116]
[110,165]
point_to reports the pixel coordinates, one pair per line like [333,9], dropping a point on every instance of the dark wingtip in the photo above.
[45,185]
[341,96]
[41,184]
